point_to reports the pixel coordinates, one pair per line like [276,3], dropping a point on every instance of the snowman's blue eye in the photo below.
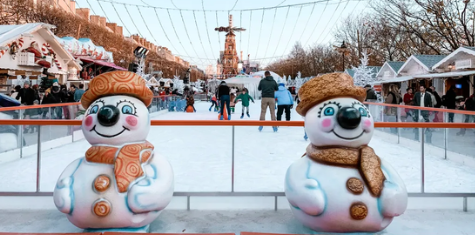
[126,109]
[94,109]
[329,111]
[363,112]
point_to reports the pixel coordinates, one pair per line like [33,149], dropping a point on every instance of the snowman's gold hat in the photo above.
[325,87]
[117,83]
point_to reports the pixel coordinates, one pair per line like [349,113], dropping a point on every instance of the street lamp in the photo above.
[343,49]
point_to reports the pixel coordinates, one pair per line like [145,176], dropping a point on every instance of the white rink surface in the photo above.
[201,158]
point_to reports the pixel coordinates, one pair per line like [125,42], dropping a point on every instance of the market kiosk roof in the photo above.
[11,33]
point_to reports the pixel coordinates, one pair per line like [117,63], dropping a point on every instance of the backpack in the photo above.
[444,101]
[470,103]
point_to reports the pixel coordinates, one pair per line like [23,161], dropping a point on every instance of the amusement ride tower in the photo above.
[229,59]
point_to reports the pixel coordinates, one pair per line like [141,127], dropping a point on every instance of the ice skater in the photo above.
[244,97]
[223,94]
[214,103]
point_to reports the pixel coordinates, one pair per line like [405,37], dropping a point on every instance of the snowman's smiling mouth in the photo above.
[109,136]
[346,138]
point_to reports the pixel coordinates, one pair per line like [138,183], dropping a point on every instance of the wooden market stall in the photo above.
[32,51]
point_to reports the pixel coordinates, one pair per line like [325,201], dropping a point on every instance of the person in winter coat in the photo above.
[436,102]
[268,87]
[79,92]
[224,98]
[244,97]
[57,97]
[394,97]
[408,100]
[469,105]
[450,101]
[232,102]
[27,96]
[16,91]
[422,99]
[284,102]
[214,103]
[370,93]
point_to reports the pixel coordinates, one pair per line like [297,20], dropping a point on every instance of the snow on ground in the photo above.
[201,158]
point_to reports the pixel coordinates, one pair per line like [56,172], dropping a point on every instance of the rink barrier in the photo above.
[2,109]
[39,106]
[399,106]
[232,193]
[237,123]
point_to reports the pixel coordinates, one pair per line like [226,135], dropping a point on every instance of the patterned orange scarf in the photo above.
[364,159]
[127,164]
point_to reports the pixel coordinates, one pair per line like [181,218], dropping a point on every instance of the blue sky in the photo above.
[261,38]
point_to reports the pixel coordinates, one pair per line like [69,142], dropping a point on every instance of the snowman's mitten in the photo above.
[302,192]
[310,199]
[63,195]
[155,191]
[393,199]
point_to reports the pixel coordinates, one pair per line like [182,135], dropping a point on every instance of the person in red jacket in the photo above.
[408,100]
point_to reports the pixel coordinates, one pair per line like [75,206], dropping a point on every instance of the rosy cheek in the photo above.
[88,121]
[131,120]
[367,123]
[326,123]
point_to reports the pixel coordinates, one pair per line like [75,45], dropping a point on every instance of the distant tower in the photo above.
[230,59]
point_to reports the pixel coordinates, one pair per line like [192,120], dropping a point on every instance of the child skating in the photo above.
[214,103]
[244,97]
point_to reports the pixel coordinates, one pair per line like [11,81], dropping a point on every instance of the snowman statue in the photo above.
[340,184]
[120,184]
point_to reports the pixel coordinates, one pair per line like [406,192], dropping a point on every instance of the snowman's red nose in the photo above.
[349,118]
[108,115]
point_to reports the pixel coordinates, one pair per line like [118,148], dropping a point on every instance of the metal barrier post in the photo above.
[38,160]
[465,209]
[422,160]
[232,163]
[20,135]
[445,142]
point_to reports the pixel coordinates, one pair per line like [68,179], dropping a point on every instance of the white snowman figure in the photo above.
[121,184]
[340,184]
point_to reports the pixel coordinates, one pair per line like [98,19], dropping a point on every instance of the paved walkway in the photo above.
[417,222]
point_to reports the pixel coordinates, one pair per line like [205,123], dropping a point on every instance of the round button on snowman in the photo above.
[121,184]
[340,184]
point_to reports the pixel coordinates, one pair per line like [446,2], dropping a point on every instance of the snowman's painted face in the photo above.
[116,120]
[339,122]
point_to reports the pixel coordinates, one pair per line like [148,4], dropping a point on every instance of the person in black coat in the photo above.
[450,101]
[422,99]
[224,98]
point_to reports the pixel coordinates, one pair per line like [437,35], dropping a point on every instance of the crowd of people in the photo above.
[31,95]
[426,97]
[271,92]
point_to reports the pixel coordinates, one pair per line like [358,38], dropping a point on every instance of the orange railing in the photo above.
[237,123]
[423,108]
[56,105]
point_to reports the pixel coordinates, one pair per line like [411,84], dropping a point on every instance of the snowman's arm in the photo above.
[63,195]
[303,191]
[393,199]
[155,191]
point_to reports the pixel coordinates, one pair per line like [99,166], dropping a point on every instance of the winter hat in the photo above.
[281,84]
[328,86]
[117,83]
[55,84]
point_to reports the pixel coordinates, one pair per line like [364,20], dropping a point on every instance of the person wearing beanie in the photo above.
[284,102]
[224,98]
[244,97]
